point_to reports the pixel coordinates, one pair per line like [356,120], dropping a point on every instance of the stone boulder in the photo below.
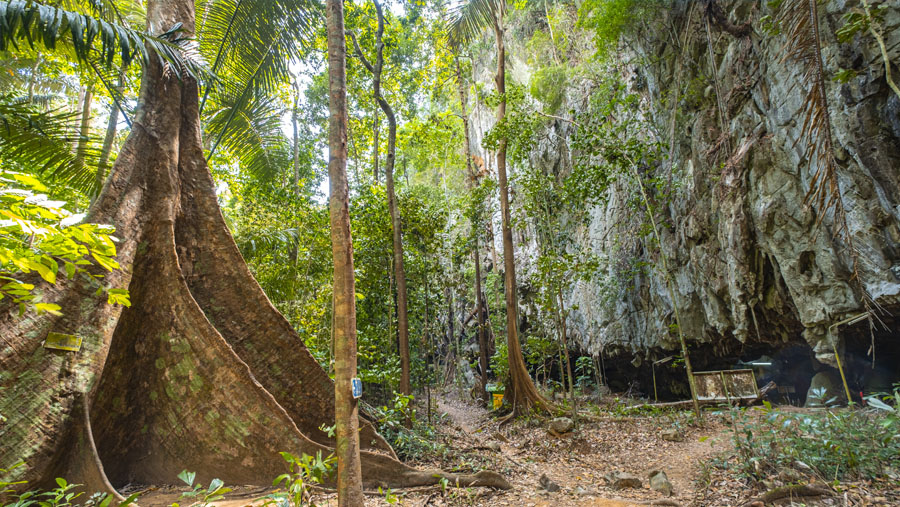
[622,480]
[561,425]
[659,481]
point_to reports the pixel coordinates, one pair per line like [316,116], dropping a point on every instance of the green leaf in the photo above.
[50,308]
[187,477]
[880,405]
[30,181]
[214,485]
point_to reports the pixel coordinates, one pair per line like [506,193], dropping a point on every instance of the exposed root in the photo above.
[792,491]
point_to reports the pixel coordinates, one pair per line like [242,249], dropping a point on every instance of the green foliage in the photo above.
[834,444]
[611,19]
[391,418]
[64,495]
[517,128]
[205,496]
[584,371]
[40,141]
[303,472]
[88,38]
[500,362]
[38,235]
[417,442]
[548,85]
[857,20]
[470,18]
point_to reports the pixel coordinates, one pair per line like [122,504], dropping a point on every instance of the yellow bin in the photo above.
[498,400]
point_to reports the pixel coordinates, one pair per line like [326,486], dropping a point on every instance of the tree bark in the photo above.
[396,226]
[201,372]
[349,479]
[520,390]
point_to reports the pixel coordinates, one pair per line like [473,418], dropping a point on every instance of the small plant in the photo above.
[215,492]
[389,496]
[63,496]
[303,472]
[584,371]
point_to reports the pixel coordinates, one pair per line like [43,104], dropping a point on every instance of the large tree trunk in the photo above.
[396,226]
[201,373]
[520,390]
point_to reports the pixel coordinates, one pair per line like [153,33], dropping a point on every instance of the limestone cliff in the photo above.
[751,264]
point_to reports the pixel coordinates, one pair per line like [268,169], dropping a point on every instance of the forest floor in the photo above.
[608,438]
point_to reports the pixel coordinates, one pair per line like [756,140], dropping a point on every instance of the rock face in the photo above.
[749,262]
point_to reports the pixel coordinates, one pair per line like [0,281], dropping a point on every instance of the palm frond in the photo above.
[87,37]
[254,241]
[804,47]
[470,18]
[250,130]
[251,43]
[40,142]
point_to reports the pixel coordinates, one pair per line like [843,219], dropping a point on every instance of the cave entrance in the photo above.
[871,359]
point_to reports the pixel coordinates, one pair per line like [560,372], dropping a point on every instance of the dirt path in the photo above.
[524,452]
[578,461]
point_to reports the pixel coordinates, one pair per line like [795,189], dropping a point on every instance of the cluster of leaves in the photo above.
[303,472]
[612,19]
[89,38]
[833,444]
[204,496]
[417,441]
[38,235]
[64,495]
[518,128]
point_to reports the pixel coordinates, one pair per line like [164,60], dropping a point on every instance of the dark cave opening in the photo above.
[791,365]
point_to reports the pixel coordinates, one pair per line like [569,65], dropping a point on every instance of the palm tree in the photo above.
[468,21]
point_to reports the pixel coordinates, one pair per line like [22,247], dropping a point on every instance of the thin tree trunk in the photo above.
[396,226]
[522,394]
[376,123]
[560,309]
[84,129]
[349,479]
[295,174]
[669,285]
[479,301]
[108,139]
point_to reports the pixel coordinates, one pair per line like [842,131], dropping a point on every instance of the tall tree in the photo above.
[349,477]
[469,21]
[396,226]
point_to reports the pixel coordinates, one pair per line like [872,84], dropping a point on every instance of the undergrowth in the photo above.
[831,444]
